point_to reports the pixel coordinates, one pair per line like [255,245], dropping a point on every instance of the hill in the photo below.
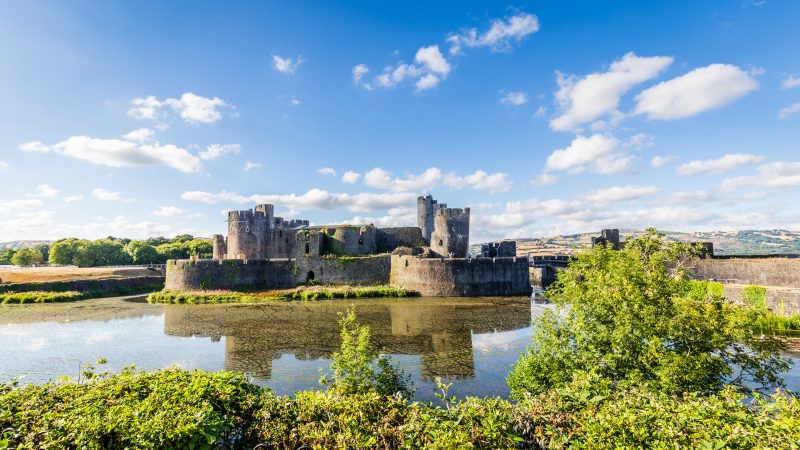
[16,245]
[748,242]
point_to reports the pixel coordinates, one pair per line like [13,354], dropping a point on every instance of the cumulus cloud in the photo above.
[46,191]
[286,66]
[313,199]
[140,135]
[785,112]
[723,164]
[20,204]
[792,81]
[500,35]
[193,109]
[214,151]
[514,98]
[168,211]
[392,76]
[359,71]
[620,193]
[431,58]
[250,165]
[383,179]
[120,153]
[586,99]
[774,175]
[480,180]
[660,161]
[106,195]
[700,90]
[351,177]
[326,171]
[427,82]
[598,153]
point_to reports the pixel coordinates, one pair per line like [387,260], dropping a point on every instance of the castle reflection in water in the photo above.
[439,330]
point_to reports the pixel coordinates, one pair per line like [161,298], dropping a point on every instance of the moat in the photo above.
[469,342]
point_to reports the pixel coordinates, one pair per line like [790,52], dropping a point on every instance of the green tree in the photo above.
[6,255]
[63,251]
[629,317]
[142,253]
[173,250]
[201,248]
[26,257]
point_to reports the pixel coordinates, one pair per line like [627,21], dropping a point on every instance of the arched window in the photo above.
[309,276]
[441,243]
[308,248]
[280,233]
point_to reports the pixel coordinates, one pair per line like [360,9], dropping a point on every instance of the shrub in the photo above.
[40,296]
[755,297]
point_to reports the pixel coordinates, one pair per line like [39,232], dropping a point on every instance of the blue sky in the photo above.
[152,118]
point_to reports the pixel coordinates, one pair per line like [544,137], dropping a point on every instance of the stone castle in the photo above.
[262,251]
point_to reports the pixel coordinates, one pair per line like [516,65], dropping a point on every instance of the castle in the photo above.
[262,251]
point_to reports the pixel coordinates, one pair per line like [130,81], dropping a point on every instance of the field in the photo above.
[43,274]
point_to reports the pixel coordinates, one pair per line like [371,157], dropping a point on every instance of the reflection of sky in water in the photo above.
[285,346]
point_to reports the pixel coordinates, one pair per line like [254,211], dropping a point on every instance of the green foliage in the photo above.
[40,297]
[142,253]
[357,368]
[316,292]
[63,251]
[6,255]
[631,318]
[26,257]
[170,408]
[755,297]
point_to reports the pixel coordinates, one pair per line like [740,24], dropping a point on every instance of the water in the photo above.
[469,342]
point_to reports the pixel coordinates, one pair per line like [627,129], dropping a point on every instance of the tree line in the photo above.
[110,251]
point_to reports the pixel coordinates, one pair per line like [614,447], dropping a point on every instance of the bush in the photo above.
[301,293]
[755,297]
[40,297]
[632,318]
[26,257]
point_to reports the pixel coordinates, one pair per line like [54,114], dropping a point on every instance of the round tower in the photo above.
[426,208]
[247,233]
[450,237]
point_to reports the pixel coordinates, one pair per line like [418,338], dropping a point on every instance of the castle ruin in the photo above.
[262,251]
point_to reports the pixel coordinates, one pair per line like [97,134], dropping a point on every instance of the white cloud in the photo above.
[382,179]
[545,179]
[792,81]
[480,180]
[774,175]
[327,171]
[598,153]
[700,90]
[498,37]
[427,82]
[540,112]
[120,153]
[214,151]
[73,198]
[106,195]
[313,199]
[168,211]
[392,76]
[250,165]
[351,177]
[640,140]
[514,98]
[295,102]
[14,205]
[432,59]
[140,135]
[660,161]
[620,193]
[47,191]
[785,112]
[359,71]
[723,164]
[286,66]
[192,108]
[588,98]
[395,217]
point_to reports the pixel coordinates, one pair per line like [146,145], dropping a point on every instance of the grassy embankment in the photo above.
[40,297]
[319,292]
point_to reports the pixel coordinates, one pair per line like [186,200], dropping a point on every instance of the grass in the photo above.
[40,297]
[299,293]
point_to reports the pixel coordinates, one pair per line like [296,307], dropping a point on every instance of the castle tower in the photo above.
[248,232]
[450,237]
[426,210]
[218,243]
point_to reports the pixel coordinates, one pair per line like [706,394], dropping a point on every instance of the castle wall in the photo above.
[782,272]
[366,270]
[388,239]
[220,249]
[450,236]
[236,274]
[455,277]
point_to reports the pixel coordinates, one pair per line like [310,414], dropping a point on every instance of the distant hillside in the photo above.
[750,242]
[16,245]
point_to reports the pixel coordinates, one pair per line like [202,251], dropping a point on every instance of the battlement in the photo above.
[453,213]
